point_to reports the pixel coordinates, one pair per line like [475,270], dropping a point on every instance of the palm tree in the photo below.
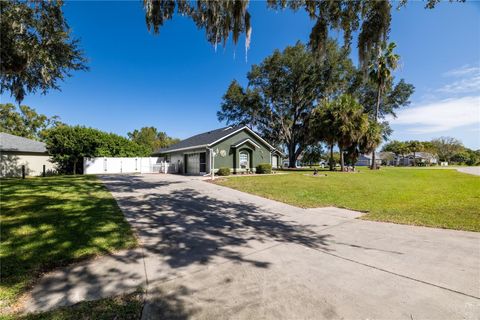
[414,146]
[381,73]
[371,138]
[350,123]
[322,124]
[403,149]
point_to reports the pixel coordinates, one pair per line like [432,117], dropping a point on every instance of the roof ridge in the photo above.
[201,139]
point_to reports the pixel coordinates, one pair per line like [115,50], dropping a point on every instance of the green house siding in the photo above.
[227,153]
[257,154]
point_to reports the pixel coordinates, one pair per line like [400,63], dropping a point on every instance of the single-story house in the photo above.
[17,151]
[366,160]
[424,158]
[388,158]
[298,163]
[238,148]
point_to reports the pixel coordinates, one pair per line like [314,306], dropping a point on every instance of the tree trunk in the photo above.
[75,166]
[414,158]
[331,158]
[374,161]
[342,161]
[292,159]
[377,108]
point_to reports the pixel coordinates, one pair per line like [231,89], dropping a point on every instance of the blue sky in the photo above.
[175,81]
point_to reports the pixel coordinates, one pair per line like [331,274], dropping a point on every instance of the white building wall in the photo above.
[11,164]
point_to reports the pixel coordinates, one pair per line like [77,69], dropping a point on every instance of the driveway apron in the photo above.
[211,252]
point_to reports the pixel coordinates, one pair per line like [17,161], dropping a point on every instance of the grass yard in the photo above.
[50,222]
[125,307]
[425,197]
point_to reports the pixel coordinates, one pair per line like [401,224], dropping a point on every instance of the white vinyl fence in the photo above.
[108,165]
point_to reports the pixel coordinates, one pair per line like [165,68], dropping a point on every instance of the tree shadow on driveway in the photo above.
[179,226]
[187,227]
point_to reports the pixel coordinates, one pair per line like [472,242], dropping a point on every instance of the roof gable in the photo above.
[200,140]
[245,141]
[9,142]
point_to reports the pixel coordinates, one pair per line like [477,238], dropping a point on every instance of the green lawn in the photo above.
[426,197]
[50,222]
[125,307]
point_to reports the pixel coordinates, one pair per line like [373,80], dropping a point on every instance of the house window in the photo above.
[244,164]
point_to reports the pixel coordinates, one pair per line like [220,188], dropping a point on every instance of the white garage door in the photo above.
[193,163]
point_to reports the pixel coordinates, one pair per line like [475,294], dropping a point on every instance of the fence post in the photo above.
[43,173]
[23,171]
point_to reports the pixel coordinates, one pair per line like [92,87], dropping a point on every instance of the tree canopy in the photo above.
[312,154]
[37,49]
[222,18]
[68,145]
[25,121]
[151,138]
[341,121]
[282,92]
[447,147]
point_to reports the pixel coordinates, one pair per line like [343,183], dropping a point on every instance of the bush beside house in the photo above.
[224,171]
[264,168]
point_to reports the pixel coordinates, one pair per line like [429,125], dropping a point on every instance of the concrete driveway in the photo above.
[210,252]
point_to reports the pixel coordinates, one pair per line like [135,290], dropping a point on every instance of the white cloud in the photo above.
[441,115]
[466,85]
[468,80]
[463,71]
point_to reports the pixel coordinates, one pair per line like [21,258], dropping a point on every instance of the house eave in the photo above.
[181,149]
[238,130]
[246,141]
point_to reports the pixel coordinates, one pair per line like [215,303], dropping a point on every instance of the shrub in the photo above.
[264,168]
[68,145]
[224,171]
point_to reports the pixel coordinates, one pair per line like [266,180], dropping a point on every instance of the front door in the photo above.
[244,160]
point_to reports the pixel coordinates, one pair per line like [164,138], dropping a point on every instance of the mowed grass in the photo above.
[424,197]
[124,307]
[50,222]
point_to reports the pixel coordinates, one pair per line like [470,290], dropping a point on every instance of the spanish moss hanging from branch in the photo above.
[219,19]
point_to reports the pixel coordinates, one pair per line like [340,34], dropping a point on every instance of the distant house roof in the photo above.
[385,155]
[207,139]
[422,155]
[9,142]
[368,156]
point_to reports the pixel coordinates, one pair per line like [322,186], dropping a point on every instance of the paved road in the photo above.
[210,252]
[470,170]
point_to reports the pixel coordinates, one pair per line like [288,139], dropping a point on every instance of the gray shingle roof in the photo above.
[201,139]
[9,142]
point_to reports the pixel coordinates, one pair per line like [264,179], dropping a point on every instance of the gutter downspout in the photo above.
[212,163]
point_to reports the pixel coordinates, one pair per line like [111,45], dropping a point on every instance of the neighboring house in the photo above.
[238,148]
[366,160]
[298,163]
[18,151]
[387,158]
[424,158]
[390,159]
